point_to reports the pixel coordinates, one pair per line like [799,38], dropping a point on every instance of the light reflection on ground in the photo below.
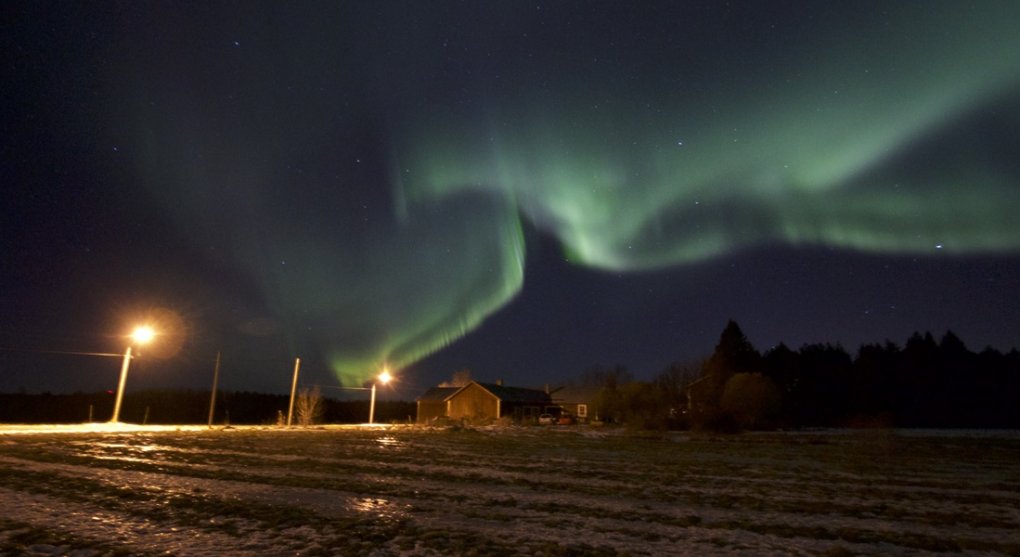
[380,509]
[96,427]
[121,427]
[372,505]
[390,442]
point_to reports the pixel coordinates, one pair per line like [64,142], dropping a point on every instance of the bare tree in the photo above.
[309,406]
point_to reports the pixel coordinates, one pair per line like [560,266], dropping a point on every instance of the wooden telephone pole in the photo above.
[215,381]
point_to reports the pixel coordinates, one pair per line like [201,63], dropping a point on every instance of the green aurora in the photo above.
[852,135]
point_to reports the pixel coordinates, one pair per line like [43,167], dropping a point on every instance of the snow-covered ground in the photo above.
[113,490]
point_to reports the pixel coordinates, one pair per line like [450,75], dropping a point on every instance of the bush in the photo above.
[713,420]
[751,400]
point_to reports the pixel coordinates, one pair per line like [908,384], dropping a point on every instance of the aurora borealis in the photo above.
[366,183]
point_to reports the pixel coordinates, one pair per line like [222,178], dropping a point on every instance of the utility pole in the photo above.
[120,385]
[371,406]
[215,381]
[293,390]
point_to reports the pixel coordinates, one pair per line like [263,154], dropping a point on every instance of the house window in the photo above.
[582,410]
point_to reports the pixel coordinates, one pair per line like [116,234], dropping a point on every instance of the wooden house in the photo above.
[482,401]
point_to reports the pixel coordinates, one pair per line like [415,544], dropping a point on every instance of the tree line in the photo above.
[925,383]
[184,406]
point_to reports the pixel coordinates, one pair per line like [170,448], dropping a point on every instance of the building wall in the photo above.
[429,411]
[473,403]
[579,410]
[576,409]
[522,412]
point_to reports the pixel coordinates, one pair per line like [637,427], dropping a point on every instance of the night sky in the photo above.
[523,189]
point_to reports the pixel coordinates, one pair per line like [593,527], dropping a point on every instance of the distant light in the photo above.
[143,334]
[938,246]
[385,376]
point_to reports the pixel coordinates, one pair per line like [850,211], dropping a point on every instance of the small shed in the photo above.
[482,401]
[577,401]
[432,405]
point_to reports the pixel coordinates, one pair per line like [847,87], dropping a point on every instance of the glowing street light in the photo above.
[383,378]
[141,335]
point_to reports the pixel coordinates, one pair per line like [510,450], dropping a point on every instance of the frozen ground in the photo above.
[505,491]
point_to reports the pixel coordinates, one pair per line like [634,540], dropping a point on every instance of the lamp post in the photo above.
[141,335]
[383,378]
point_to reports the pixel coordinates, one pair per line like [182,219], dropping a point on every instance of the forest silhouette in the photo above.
[924,384]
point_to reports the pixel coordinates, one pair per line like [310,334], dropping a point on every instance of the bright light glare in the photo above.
[385,377]
[143,334]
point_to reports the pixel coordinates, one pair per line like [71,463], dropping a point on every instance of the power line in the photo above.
[39,351]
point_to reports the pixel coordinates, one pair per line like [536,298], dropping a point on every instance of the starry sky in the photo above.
[522,189]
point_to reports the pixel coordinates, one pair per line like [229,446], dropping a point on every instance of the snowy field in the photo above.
[505,491]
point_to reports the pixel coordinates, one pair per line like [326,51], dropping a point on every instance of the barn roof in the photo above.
[504,393]
[437,394]
[574,394]
[517,394]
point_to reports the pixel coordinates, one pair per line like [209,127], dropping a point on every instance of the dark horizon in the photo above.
[926,383]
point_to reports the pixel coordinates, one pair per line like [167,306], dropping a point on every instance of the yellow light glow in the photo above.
[385,376]
[143,334]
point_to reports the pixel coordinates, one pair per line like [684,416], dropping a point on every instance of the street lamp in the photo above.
[383,378]
[141,335]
